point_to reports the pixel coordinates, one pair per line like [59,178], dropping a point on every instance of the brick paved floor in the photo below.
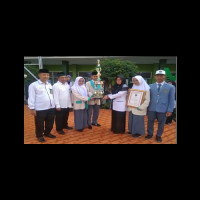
[98,135]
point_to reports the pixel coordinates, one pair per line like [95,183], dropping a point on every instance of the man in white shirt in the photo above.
[62,98]
[42,106]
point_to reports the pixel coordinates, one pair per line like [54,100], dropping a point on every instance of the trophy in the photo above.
[99,85]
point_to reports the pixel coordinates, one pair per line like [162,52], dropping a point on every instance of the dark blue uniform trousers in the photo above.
[161,122]
[95,108]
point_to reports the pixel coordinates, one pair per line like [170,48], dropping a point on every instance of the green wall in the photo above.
[85,68]
[141,68]
[53,68]
[72,68]
[153,68]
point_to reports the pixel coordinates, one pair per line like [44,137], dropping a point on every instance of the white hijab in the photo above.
[80,89]
[143,84]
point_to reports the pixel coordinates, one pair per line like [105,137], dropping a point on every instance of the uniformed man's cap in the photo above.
[162,72]
[61,74]
[43,71]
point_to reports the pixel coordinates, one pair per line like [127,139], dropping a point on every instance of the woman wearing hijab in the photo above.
[118,97]
[136,115]
[80,99]
[69,80]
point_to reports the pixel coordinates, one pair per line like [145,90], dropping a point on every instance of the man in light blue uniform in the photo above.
[161,104]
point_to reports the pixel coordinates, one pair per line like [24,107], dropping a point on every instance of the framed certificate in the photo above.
[135,98]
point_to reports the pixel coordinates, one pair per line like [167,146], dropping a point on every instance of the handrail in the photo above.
[30,73]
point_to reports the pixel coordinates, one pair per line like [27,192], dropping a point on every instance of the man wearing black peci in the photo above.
[42,106]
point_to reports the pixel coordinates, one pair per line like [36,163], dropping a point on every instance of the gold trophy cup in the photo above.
[99,85]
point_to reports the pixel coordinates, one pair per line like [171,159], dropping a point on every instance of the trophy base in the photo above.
[98,97]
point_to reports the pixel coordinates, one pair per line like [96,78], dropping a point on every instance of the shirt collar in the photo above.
[62,83]
[40,82]
[161,83]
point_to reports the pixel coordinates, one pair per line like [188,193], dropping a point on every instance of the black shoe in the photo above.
[158,139]
[41,139]
[50,135]
[67,127]
[148,137]
[80,130]
[90,127]
[129,133]
[61,132]
[96,124]
[136,135]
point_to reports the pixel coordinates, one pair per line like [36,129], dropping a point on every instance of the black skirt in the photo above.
[118,121]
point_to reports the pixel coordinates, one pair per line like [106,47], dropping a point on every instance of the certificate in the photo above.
[135,98]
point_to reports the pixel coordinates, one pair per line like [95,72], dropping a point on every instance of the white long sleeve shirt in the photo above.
[40,96]
[119,102]
[62,95]
[160,83]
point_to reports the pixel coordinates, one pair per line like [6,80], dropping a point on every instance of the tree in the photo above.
[111,68]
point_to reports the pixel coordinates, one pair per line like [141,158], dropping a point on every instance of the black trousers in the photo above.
[118,121]
[62,118]
[169,119]
[47,117]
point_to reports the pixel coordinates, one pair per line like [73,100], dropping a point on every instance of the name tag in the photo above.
[78,102]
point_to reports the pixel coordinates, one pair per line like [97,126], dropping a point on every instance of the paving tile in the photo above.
[98,135]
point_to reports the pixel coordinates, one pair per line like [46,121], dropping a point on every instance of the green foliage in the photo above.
[169,75]
[30,79]
[111,68]
[106,105]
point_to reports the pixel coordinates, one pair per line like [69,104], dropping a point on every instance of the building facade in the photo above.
[84,65]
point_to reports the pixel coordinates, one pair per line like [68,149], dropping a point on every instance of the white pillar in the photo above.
[40,62]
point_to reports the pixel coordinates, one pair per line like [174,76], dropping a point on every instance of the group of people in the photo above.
[53,103]
[159,103]
[48,103]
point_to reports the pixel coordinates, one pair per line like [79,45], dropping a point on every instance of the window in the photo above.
[85,75]
[146,75]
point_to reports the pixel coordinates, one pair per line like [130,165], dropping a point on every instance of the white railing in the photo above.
[30,73]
